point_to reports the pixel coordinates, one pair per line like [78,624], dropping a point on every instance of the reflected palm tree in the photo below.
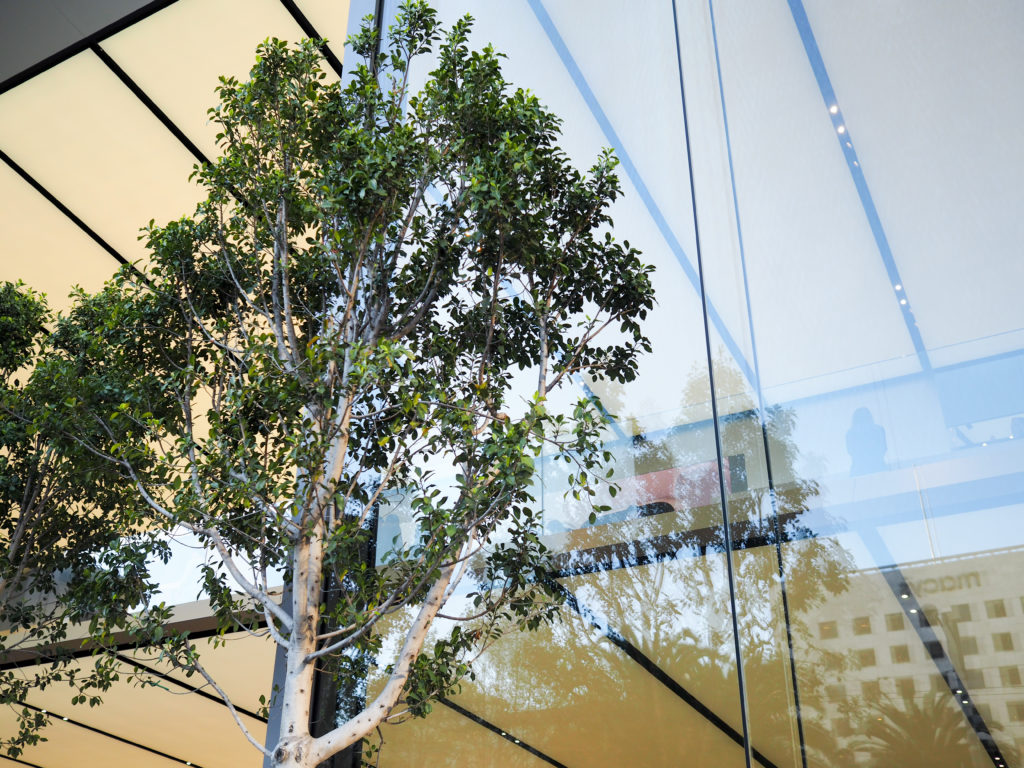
[927,731]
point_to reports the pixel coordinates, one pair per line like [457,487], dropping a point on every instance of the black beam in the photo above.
[310,31]
[21,762]
[67,212]
[658,673]
[503,734]
[85,43]
[160,115]
[107,734]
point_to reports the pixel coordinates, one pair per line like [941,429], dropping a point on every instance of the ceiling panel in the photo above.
[43,247]
[181,78]
[88,140]
[71,745]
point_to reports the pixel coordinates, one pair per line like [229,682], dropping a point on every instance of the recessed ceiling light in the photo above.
[833,109]
[841,129]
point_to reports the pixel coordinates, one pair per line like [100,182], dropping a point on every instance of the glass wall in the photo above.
[838,346]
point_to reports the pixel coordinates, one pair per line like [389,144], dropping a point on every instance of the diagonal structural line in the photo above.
[26,176]
[932,645]
[654,670]
[21,762]
[555,38]
[187,686]
[310,31]
[503,734]
[142,96]
[109,735]
[828,94]
[761,412]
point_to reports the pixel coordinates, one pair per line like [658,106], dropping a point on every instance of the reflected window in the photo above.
[862,625]
[996,609]
[1009,677]
[894,622]
[974,678]
[968,645]
[1002,641]
[961,612]
[866,657]
[835,693]
[841,727]
[871,690]
[1015,710]
[900,654]
[828,630]
[905,687]
[932,615]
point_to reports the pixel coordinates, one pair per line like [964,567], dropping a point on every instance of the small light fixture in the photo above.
[899,287]
[834,109]
[841,129]
[913,610]
[905,596]
[903,301]
[64,719]
[959,690]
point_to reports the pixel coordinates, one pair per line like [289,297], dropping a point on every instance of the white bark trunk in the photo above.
[366,721]
[295,745]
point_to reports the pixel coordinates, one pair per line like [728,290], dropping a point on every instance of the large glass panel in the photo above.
[858,171]
[642,668]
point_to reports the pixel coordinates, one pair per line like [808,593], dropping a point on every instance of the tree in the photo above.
[377,299]
[60,506]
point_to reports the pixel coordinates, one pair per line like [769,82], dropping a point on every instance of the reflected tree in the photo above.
[650,574]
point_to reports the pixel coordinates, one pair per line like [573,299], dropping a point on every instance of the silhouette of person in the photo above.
[865,442]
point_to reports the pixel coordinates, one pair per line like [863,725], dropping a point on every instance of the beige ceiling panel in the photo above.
[158,716]
[43,247]
[243,667]
[181,78]
[88,140]
[72,745]
[330,18]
